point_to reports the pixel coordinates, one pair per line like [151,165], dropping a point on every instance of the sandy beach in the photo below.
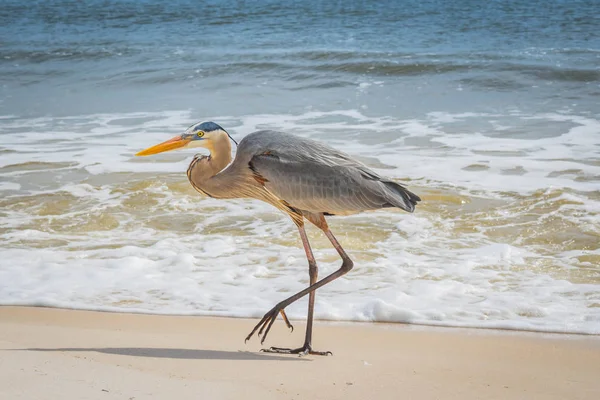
[64,354]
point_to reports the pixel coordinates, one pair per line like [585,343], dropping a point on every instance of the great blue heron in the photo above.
[303,178]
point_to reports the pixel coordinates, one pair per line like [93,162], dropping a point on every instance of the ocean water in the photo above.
[490,111]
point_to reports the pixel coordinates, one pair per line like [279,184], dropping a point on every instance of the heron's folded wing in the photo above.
[319,187]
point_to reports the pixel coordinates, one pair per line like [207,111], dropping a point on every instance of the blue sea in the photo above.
[490,111]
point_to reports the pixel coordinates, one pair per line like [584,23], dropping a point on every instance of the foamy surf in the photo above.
[506,237]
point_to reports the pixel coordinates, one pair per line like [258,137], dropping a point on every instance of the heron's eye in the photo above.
[200,133]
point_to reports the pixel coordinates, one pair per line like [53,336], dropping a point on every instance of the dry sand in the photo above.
[63,354]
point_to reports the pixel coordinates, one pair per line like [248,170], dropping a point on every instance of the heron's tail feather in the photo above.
[401,197]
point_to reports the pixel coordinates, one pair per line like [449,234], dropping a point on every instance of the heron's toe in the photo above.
[301,351]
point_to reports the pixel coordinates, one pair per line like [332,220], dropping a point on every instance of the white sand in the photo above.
[62,354]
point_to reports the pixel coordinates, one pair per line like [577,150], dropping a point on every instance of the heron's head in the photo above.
[201,134]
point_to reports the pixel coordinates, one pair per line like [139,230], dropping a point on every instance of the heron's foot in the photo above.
[301,351]
[265,324]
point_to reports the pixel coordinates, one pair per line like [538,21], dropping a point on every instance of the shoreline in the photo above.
[49,353]
[400,324]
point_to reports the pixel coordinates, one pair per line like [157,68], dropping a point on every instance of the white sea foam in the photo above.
[101,250]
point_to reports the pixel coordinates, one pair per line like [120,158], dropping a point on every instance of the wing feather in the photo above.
[312,176]
[318,187]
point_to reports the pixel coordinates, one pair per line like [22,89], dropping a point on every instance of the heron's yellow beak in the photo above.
[171,144]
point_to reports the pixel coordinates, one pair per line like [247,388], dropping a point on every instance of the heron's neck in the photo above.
[204,172]
[220,153]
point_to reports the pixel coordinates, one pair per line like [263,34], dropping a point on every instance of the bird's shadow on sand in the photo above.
[181,354]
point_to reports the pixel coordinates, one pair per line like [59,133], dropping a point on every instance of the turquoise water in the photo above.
[74,57]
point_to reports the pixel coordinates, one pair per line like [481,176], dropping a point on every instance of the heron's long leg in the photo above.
[313,272]
[267,321]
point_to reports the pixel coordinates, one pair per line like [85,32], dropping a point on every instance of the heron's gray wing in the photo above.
[295,149]
[311,184]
